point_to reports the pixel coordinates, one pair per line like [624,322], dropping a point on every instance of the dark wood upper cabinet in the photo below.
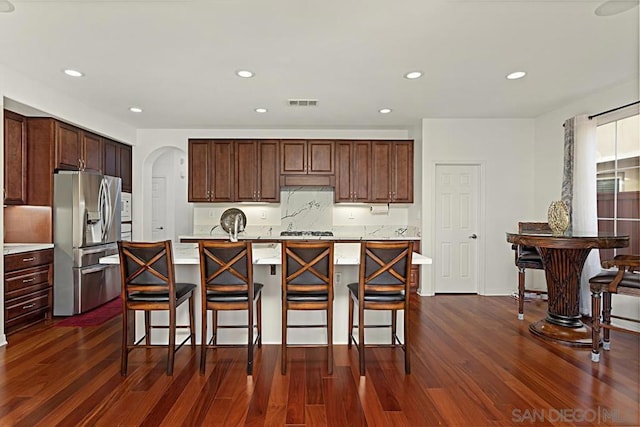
[353,171]
[257,171]
[91,155]
[15,159]
[254,170]
[402,184]
[211,170]
[320,158]
[126,167]
[293,157]
[117,162]
[302,157]
[68,143]
[76,149]
[392,179]
[233,170]
[307,162]
[111,158]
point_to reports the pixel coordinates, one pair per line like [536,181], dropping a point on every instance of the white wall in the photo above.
[504,149]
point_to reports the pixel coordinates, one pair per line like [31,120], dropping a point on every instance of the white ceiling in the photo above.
[177,59]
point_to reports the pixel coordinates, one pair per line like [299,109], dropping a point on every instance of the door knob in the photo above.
[473,236]
[159,228]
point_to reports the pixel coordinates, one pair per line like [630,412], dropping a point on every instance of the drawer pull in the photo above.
[29,280]
[25,307]
[28,259]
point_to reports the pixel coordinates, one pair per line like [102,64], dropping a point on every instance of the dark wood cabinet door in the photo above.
[293,157]
[91,152]
[381,171]
[268,184]
[15,159]
[344,158]
[320,158]
[246,171]
[361,171]
[126,167]
[199,171]
[111,158]
[402,185]
[68,146]
[222,177]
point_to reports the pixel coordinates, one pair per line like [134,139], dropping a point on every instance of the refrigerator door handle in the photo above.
[94,269]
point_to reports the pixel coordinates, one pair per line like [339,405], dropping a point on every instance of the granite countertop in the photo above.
[17,248]
[267,254]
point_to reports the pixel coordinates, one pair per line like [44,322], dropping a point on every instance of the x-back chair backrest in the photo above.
[226,266]
[146,267]
[307,266]
[385,266]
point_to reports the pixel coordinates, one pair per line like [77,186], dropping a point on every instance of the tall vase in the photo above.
[558,218]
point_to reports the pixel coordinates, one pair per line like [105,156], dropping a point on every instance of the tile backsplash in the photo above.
[305,208]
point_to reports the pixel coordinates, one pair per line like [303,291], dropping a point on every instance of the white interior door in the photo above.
[159,208]
[457,194]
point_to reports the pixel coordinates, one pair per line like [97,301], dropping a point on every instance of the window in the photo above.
[618,179]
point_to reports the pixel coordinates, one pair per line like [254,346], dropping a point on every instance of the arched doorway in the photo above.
[165,176]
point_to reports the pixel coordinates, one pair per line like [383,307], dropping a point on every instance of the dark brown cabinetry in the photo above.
[353,171]
[211,170]
[76,149]
[392,176]
[28,288]
[117,162]
[15,159]
[257,170]
[307,162]
[54,145]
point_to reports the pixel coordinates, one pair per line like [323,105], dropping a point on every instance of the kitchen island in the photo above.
[266,270]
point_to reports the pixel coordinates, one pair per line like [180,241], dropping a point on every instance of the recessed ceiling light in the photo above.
[261,110]
[244,73]
[135,109]
[413,75]
[6,6]
[384,110]
[73,73]
[516,75]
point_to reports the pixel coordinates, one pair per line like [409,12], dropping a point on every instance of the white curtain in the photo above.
[579,192]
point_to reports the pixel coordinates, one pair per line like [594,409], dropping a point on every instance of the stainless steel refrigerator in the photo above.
[86,226]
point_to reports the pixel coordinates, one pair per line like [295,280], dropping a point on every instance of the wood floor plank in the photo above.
[473,363]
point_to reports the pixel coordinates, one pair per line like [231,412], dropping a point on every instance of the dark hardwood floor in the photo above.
[473,364]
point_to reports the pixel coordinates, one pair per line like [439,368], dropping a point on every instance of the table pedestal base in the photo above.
[576,337]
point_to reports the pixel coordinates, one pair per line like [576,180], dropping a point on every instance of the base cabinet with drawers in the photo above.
[28,287]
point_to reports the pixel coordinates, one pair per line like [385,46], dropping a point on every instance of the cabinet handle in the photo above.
[259,195]
[25,307]
[28,259]
[29,280]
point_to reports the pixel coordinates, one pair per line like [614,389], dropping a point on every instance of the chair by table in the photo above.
[226,279]
[307,284]
[624,280]
[383,284]
[528,257]
[148,284]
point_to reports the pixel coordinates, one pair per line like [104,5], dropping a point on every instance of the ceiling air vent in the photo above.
[303,102]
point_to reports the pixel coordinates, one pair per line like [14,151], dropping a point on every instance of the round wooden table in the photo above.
[563,258]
